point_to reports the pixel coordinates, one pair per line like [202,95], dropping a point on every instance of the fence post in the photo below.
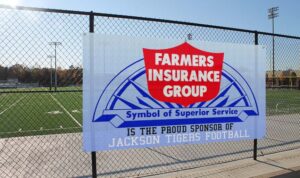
[93,153]
[91,29]
[94,165]
[255,140]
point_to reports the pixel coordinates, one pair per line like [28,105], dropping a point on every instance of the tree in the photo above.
[3,73]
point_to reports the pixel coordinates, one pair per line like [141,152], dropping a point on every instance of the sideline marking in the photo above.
[31,131]
[65,110]
[14,104]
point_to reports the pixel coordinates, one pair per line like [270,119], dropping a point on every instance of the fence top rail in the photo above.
[145,19]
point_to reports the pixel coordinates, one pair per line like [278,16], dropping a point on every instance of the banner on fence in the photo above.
[141,92]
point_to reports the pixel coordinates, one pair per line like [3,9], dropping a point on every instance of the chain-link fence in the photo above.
[41,95]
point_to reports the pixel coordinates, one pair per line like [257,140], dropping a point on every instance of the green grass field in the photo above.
[40,113]
[282,101]
[24,114]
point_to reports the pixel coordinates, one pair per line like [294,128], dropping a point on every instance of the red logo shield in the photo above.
[183,74]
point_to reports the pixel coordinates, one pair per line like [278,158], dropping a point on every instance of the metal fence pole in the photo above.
[255,149]
[255,140]
[94,165]
[93,154]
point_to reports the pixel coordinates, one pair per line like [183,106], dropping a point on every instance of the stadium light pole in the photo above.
[51,72]
[55,44]
[273,13]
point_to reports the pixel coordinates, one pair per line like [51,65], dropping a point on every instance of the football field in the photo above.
[282,101]
[24,114]
[40,113]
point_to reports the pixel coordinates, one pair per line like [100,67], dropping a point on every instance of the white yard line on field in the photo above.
[28,131]
[12,105]
[65,110]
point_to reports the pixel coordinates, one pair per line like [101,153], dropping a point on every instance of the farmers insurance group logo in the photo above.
[183,75]
[179,85]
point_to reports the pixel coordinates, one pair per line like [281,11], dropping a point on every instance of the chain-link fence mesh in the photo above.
[283,94]
[41,99]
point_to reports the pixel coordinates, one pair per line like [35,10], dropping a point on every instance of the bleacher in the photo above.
[14,83]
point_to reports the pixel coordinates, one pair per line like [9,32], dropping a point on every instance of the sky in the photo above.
[20,46]
[247,14]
